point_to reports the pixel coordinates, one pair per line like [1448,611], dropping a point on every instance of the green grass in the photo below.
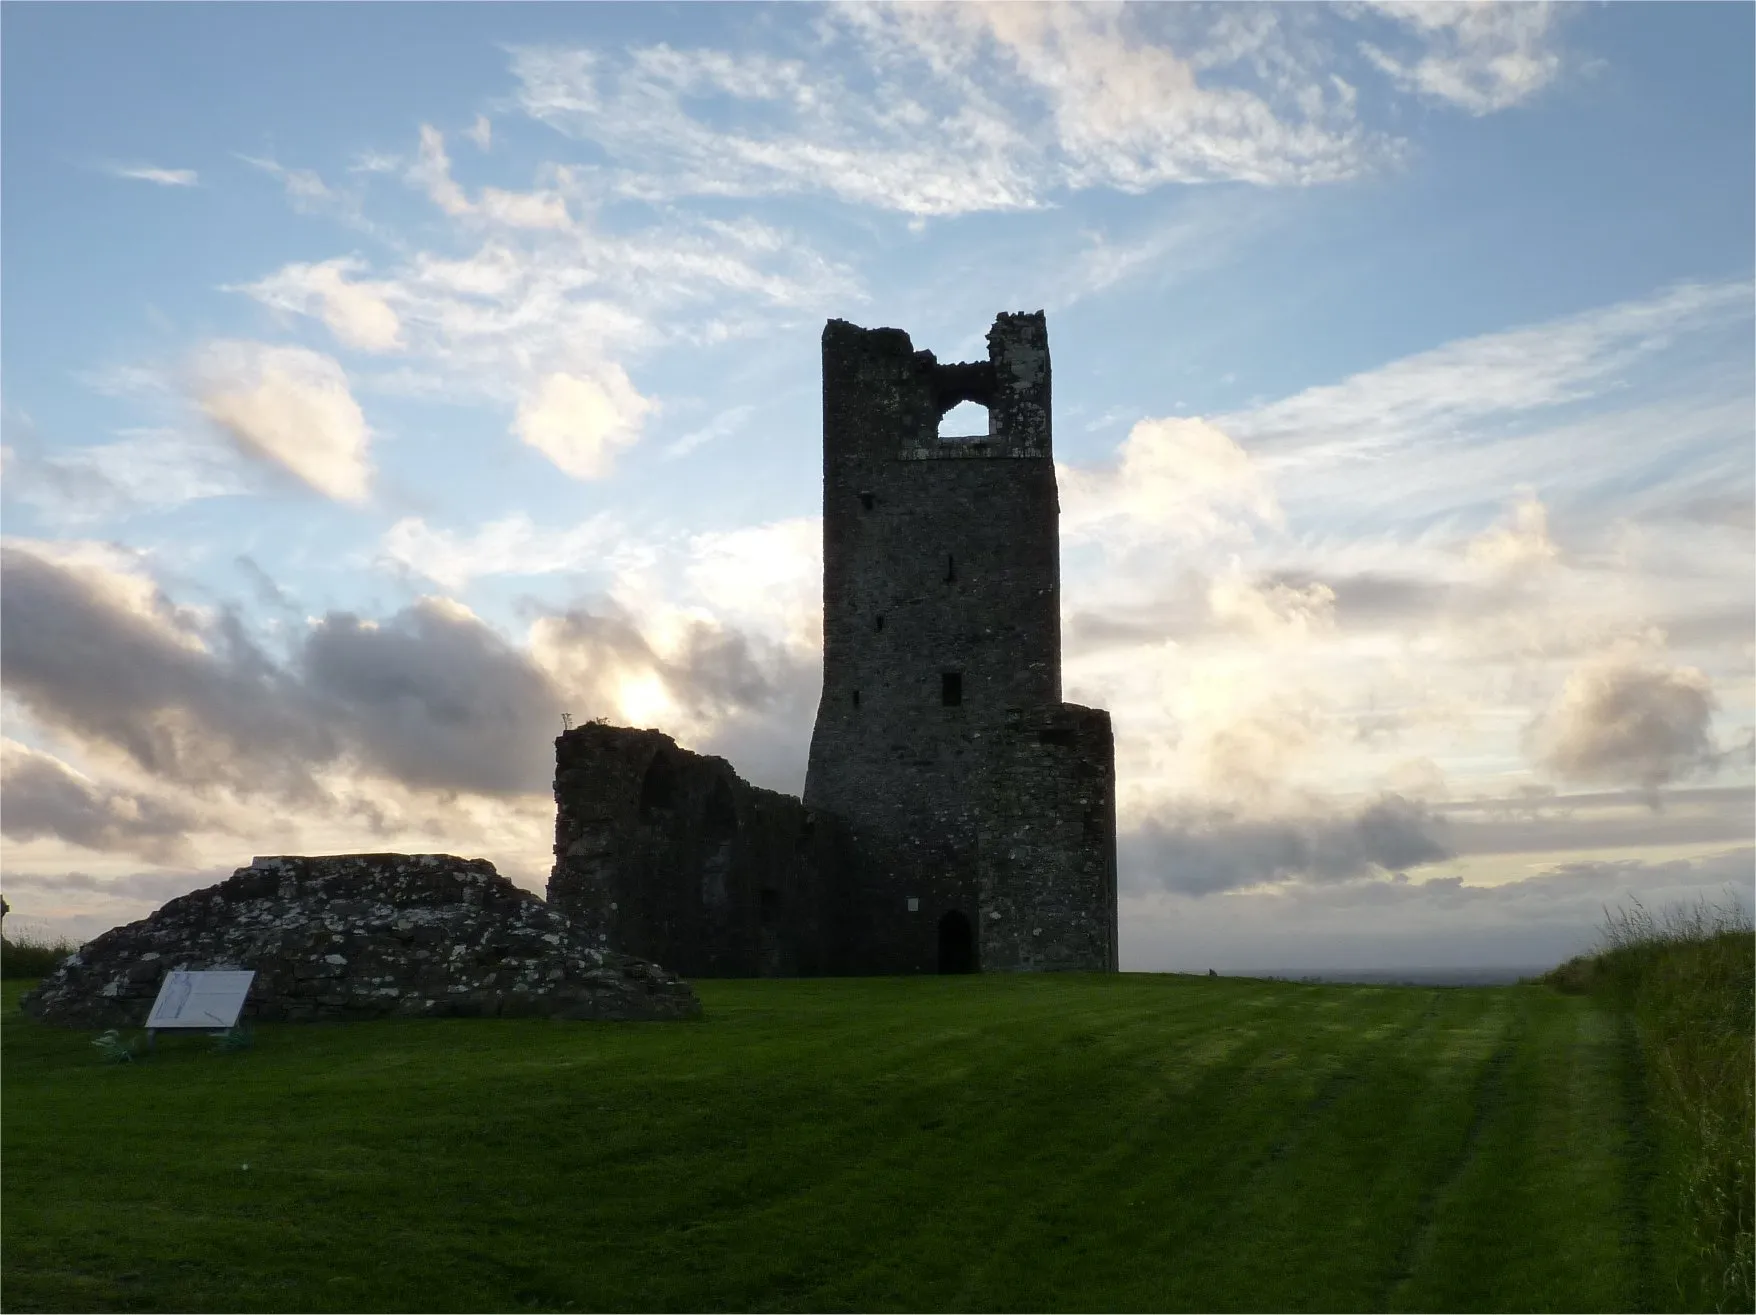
[1684,983]
[1128,1142]
[29,955]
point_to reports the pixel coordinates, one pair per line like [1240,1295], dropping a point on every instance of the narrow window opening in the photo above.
[1094,824]
[1060,735]
[856,698]
[951,688]
[768,906]
[950,570]
[866,501]
[878,623]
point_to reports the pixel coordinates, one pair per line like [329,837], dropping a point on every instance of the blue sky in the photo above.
[381,381]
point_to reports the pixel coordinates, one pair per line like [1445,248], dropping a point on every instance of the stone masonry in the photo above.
[956,814]
[360,936]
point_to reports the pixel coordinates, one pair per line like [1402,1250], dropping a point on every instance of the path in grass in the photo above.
[987,1143]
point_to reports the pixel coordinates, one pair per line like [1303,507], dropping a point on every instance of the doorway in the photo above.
[957,944]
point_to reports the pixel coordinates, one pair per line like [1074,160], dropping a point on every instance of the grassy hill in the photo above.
[1082,1143]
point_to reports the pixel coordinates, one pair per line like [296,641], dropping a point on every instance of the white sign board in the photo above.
[200,999]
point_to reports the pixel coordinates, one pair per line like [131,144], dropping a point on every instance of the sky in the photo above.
[382,382]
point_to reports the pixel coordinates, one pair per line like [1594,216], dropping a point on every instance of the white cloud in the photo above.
[149,173]
[481,132]
[1628,718]
[579,422]
[432,171]
[1480,57]
[291,408]
[1411,563]
[1526,369]
[512,546]
[143,470]
[728,422]
[942,111]
[1521,545]
[356,312]
[1176,478]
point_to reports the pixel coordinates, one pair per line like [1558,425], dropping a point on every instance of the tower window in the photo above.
[951,688]
[966,420]
[856,698]
[950,570]
[866,501]
[878,623]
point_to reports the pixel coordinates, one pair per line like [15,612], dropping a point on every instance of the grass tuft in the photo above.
[31,954]
[1687,977]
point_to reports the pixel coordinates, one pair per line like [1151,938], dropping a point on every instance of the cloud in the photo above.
[947,110]
[1200,850]
[149,173]
[1537,819]
[143,470]
[435,699]
[310,195]
[1478,57]
[715,688]
[356,312]
[290,408]
[46,797]
[580,422]
[512,546]
[1173,478]
[1524,926]
[430,698]
[1627,719]
[432,172]
[481,132]
[1522,545]
[728,422]
[90,646]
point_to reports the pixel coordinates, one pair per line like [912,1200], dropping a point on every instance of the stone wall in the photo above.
[1047,878]
[670,856]
[357,936]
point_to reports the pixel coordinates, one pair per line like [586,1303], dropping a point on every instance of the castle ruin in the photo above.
[957,815]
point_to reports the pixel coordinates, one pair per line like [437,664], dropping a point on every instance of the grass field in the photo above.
[1020,1143]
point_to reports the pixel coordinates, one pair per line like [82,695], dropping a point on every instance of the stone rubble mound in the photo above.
[358,936]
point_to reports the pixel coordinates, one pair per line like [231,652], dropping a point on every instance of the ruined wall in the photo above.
[1047,871]
[671,851]
[354,936]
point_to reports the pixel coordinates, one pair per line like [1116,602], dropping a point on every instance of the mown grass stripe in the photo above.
[990,1143]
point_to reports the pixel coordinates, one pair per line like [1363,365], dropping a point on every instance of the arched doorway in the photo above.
[957,944]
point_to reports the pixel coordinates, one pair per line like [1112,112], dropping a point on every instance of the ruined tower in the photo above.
[957,815]
[983,808]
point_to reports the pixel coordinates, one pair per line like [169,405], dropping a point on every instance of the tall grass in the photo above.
[31,954]
[1687,977]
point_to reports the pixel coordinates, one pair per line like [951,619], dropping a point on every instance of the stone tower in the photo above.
[980,807]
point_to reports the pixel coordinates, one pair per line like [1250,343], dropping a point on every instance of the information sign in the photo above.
[200,999]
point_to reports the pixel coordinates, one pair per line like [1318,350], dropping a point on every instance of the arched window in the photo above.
[965,420]
[658,789]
